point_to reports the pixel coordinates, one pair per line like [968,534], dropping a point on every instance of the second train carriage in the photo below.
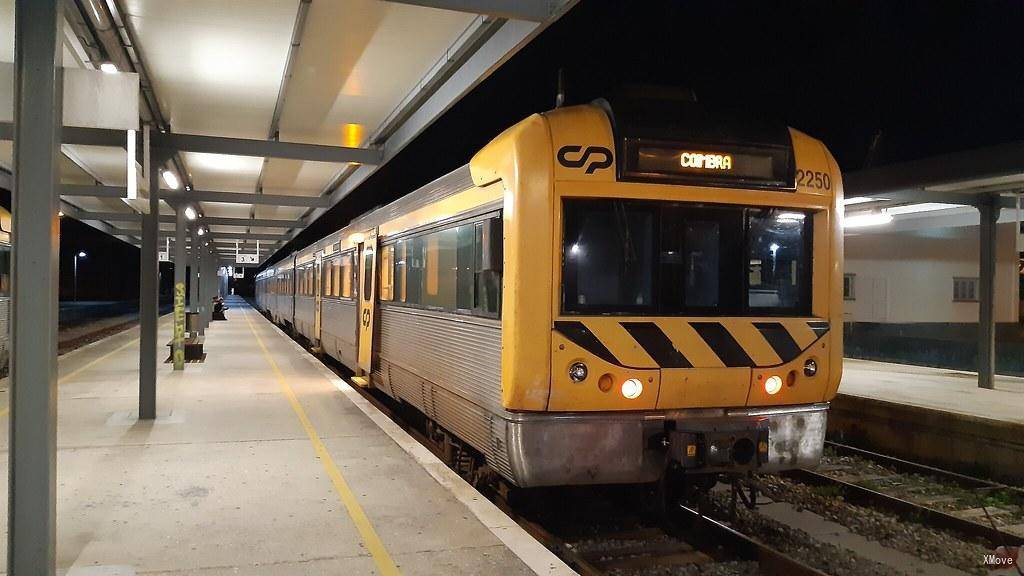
[603,290]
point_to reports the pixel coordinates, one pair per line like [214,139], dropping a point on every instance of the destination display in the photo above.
[721,165]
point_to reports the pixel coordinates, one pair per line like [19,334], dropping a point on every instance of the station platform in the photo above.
[261,461]
[933,415]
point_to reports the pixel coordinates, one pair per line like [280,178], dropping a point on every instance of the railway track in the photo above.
[612,542]
[638,548]
[652,549]
[987,512]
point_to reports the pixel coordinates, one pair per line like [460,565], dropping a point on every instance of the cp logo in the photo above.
[366,317]
[602,157]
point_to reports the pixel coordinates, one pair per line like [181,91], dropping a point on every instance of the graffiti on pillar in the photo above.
[179,326]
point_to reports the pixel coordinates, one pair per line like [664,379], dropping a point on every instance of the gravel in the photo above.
[800,545]
[736,568]
[916,539]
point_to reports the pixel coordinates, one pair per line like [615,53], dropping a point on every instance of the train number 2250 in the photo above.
[819,180]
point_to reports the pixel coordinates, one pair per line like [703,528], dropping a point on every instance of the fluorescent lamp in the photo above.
[867,219]
[917,208]
[108,67]
[790,216]
[190,213]
[857,200]
[171,180]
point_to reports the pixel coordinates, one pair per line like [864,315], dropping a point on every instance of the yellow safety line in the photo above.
[80,369]
[370,538]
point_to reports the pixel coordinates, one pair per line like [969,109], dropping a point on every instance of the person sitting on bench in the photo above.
[219,308]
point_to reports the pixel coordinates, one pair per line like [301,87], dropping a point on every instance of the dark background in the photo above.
[920,78]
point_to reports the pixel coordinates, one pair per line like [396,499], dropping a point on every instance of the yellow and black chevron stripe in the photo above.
[679,343]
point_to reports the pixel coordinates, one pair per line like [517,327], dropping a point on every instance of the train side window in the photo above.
[400,269]
[441,248]
[414,268]
[367,274]
[387,257]
[5,271]
[336,277]
[327,272]
[487,275]
[467,263]
[346,275]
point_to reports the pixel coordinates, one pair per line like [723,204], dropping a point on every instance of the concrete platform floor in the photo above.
[935,388]
[260,462]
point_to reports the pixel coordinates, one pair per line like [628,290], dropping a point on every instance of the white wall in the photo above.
[908,277]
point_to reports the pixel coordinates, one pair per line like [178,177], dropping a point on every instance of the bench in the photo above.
[193,346]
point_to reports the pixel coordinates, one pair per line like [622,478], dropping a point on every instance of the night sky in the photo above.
[921,78]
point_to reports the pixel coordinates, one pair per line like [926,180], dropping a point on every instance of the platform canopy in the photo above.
[936,192]
[271,111]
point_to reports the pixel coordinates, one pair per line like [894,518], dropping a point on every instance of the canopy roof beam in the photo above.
[246,198]
[265,148]
[530,10]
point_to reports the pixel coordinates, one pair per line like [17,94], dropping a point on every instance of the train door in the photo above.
[318,285]
[367,300]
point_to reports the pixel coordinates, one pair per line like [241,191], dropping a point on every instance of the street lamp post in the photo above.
[81,254]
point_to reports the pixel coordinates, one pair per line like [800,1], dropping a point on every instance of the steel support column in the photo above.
[149,270]
[989,212]
[180,262]
[38,108]
[210,274]
[193,269]
[201,258]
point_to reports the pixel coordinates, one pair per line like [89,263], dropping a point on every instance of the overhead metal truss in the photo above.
[531,10]
[168,218]
[265,148]
[245,198]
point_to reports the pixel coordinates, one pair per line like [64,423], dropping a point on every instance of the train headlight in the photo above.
[578,372]
[632,388]
[772,385]
[810,367]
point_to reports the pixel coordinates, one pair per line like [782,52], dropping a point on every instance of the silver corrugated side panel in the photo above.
[450,369]
[461,355]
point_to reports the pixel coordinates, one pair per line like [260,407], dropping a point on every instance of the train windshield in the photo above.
[670,258]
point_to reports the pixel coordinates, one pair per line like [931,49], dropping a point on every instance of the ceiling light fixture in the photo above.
[190,213]
[108,68]
[857,200]
[867,219]
[918,208]
[171,179]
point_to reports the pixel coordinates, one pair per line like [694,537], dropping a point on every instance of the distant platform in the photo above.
[933,415]
[260,462]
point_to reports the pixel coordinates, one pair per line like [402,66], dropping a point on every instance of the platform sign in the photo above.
[164,256]
[179,326]
[247,258]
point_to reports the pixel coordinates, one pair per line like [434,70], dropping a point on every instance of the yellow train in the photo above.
[603,291]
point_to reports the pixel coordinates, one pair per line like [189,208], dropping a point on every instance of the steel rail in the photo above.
[909,467]
[905,509]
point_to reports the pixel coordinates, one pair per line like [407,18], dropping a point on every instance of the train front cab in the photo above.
[688,323]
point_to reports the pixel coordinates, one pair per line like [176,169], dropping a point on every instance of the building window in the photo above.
[849,286]
[965,289]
